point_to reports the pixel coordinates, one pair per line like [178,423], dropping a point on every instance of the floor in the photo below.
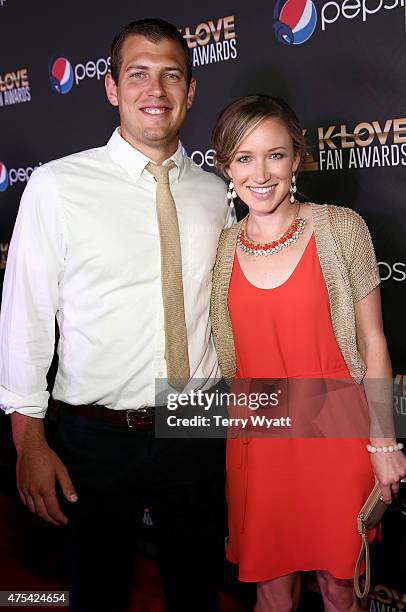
[30,560]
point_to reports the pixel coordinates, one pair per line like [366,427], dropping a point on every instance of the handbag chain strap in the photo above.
[364,549]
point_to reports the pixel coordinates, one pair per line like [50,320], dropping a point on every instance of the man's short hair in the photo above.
[154,30]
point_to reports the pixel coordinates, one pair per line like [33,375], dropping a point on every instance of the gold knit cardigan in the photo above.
[348,262]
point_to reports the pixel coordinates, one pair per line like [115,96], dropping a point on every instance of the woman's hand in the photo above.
[389,468]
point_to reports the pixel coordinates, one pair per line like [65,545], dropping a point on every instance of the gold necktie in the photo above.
[176,347]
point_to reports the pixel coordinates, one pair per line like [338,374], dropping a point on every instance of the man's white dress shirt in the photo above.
[86,248]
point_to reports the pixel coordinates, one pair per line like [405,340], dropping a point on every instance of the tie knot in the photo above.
[160,173]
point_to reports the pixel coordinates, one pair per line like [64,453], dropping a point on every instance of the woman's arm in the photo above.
[389,467]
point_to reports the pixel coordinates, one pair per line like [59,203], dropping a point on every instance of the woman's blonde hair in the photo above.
[241,117]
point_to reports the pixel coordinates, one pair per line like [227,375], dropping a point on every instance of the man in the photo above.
[130,288]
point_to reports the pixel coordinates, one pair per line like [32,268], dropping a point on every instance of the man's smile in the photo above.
[155,110]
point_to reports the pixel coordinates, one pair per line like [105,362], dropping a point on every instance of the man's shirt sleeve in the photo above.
[30,298]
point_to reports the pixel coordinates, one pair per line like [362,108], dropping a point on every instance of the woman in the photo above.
[295,297]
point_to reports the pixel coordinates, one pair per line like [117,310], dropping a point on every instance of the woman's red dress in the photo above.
[292,502]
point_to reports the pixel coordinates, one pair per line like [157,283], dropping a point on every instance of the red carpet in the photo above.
[30,561]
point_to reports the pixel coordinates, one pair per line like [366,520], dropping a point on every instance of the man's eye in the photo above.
[171,76]
[137,75]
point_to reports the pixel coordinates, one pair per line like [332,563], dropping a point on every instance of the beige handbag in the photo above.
[368,518]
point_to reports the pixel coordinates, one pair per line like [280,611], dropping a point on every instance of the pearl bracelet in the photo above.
[385,449]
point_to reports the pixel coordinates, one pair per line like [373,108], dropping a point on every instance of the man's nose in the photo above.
[155,86]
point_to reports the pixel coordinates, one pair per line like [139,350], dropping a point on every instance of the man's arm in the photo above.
[30,301]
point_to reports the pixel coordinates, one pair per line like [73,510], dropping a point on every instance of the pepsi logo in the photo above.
[3,177]
[201,158]
[295,21]
[61,75]
[12,176]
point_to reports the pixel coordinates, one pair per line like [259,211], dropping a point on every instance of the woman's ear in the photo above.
[227,173]
[296,162]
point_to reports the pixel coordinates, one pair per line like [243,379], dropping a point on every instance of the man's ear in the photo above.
[111,89]
[191,93]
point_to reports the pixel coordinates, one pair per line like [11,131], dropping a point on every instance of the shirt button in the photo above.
[160,374]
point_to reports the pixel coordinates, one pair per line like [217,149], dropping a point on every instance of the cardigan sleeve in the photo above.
[359,254]
[220,317]
[215,304]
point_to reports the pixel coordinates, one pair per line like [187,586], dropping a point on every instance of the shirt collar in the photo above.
[134,162]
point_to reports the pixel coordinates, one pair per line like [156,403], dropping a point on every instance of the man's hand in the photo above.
[38,469]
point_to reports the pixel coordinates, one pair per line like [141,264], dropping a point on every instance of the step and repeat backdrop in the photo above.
[340,64]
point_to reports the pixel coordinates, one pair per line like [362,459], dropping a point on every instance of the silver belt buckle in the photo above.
[142,413]
[127,416]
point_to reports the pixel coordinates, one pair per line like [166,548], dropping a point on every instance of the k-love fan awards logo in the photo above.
[14,87]
[385,598]
[295,20]
[370,144]
[212,41]
[382,598]
[63,75]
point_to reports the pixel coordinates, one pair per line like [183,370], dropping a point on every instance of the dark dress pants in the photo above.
[117,472]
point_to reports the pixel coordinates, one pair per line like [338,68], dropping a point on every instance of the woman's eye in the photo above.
[243,159]
[276,155]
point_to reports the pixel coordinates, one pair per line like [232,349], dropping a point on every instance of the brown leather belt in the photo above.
[142,419]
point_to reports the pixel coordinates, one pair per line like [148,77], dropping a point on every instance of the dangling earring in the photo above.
[231,194]
[293,189]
